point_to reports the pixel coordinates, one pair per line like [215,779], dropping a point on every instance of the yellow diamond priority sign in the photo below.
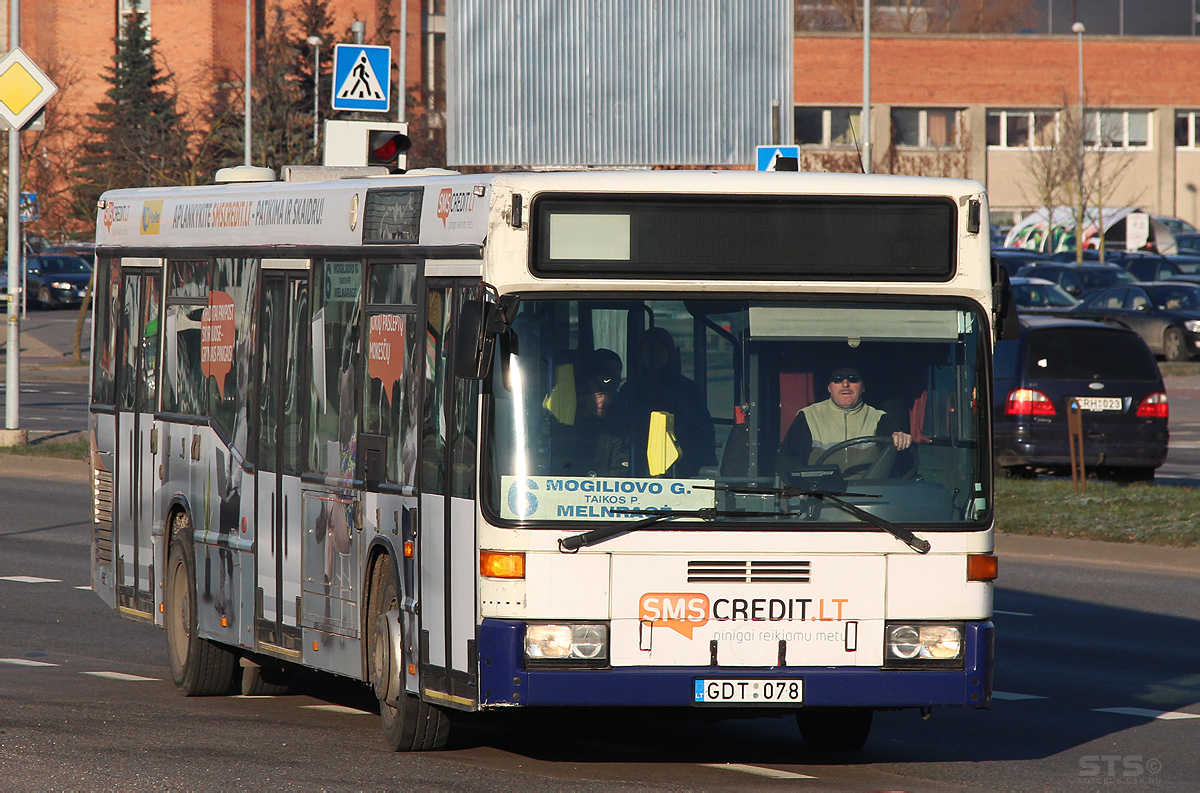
[24,89]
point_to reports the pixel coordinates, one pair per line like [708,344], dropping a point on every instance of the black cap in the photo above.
[599,372]
[842,372]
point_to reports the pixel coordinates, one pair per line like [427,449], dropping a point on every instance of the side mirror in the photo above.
[473,344]
[479,322]
[1008,324]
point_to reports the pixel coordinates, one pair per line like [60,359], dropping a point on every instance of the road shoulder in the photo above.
[1056,550]
[33,467]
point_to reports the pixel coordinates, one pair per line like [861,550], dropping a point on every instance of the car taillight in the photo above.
[1028,402]
[1154,406]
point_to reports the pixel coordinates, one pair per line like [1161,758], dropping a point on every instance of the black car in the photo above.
[1039,296]
[54,279]
[1078,279]
[1070,255]
[1114,378]
[1166,314]
[1151,268]
[1013,259]
[1188,243]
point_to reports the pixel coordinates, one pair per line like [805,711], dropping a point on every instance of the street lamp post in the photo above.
[315,41]
[1078,30]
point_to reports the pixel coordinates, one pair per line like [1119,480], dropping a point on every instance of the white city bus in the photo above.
[536,439]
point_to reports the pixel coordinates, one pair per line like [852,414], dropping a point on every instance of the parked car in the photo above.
[1188,243]
[1109,370]
[1165,314]
[1039,296]
[1069,255]
[52,280]
[1078,279]
[1176,225]
[1013,259]
[1151,268]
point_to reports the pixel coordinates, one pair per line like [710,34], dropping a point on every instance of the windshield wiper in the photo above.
[577,541]
[834,497]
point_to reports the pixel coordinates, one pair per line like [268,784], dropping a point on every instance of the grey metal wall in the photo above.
[616,82]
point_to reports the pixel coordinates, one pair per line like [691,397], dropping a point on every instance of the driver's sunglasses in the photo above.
[850,378]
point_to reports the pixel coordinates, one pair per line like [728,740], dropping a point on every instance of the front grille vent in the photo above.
[749,572]
[102,508]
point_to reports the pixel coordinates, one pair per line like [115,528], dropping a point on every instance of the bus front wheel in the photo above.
[410,725]
[199,667]
[835,729]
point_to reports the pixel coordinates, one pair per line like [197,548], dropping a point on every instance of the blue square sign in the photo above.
[767,155]
[361,77]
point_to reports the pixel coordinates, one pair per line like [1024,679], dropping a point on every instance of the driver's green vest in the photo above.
[830,423]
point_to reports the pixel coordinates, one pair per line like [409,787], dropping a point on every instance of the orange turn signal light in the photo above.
[502,564]
[408,549]
[982,567]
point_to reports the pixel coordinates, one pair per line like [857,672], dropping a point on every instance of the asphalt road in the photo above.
[1096,686]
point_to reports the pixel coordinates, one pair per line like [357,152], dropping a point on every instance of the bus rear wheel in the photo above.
[835,729]
[200,668]
[410,725]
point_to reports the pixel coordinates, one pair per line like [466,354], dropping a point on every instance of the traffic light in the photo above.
[373,143]
[386,147]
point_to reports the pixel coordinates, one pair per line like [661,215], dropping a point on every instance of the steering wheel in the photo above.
[878,469]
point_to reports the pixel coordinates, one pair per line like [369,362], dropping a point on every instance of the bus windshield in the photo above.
[616,409]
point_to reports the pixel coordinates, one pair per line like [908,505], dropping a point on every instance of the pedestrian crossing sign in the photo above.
[361,77]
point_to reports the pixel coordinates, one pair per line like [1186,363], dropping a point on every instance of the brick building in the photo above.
[978,106]
[965,105]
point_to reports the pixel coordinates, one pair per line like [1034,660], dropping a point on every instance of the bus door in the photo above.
[137,439]
[448,561]
[283,351]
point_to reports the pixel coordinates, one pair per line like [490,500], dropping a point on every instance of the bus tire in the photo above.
[199,667]
[835,729]
[412,725]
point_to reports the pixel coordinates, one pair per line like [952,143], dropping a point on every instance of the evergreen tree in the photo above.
[282,130]
[313,18]
[136,136]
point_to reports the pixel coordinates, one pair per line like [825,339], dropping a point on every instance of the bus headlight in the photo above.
[566,644]
[915,644]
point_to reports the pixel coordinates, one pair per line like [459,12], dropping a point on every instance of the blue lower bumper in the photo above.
[503,680]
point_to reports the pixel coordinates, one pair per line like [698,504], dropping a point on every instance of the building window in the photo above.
[1117,129]
[127,7]
[933,128]
[827,126]
[1187,129]
[1017,129]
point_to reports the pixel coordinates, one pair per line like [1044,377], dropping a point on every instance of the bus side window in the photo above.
[434,429]
[388,386]
[103,369]
[465,412]
[336,367]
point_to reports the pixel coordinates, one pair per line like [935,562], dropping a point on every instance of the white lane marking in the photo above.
[1014,697]
[84,588]
[1165,715]
[28,579]
[121,676]
[336,709]
[1013,613]
[772,773]
[24,662]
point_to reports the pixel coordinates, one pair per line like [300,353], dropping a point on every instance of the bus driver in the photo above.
[841,417]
